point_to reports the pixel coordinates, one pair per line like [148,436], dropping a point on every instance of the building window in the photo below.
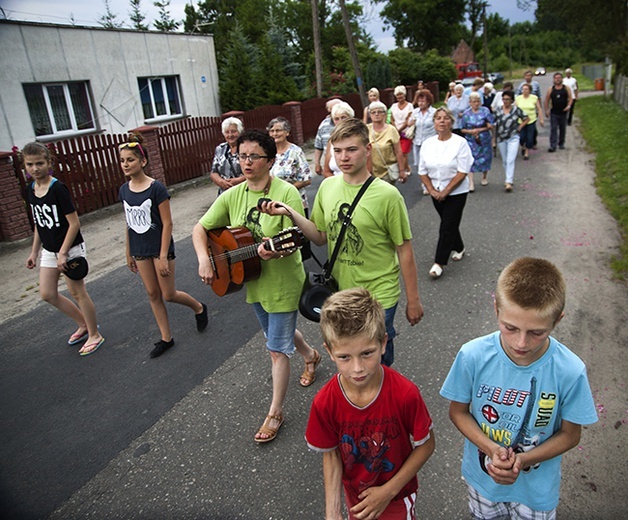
[160,97]
[59,108]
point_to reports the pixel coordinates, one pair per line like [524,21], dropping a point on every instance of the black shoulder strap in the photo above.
[345,225]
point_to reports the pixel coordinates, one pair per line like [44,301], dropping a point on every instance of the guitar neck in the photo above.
[242,253]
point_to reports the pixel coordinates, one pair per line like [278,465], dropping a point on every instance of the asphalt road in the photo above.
[118,435]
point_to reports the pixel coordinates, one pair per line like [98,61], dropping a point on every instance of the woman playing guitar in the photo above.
[275,294]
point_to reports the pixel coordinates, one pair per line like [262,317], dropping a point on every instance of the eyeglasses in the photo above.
[375,112]
[254,157]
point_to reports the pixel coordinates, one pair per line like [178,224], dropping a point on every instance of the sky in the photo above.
[87,12]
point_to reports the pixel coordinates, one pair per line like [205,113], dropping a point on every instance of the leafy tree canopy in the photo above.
[425,24]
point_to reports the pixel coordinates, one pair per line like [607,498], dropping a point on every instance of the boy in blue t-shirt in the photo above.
[520,398]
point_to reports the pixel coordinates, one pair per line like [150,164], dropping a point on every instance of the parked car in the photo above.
[540,71]
[467,82]
[495,77]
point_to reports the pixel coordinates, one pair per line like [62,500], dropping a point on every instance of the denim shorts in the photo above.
[49,259]
[279,328]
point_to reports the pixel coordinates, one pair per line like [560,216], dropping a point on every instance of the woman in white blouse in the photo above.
[444,163]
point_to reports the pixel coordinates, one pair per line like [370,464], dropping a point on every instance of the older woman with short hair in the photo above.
[290,163]
[450,91]
[531,106]
[477,122]
[339,112]
[373,95]
[386,151]
[422,118]
[444,165]
[225,170]
[509,120]
[399,112]
[458,103]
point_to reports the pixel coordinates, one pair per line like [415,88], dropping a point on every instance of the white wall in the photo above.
[111,60]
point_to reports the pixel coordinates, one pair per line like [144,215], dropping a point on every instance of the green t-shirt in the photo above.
[279,286]
[368,254]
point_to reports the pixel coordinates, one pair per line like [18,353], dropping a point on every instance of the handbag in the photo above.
[320,286]
[392,169]
[408,132]
[77,268]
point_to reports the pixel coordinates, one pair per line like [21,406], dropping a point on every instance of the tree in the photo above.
[353,53]
[318,52]
[165,22]
[599,28]
[108,20]
[474,13]
[237,73]
[404,66]
[377,73]
[137,16]
[425,24]
[273,82]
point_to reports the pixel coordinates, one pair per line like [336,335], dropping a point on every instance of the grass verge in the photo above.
[604,126]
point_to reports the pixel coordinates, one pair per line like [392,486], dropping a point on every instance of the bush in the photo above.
[433,67]
[499,64]
[408,67]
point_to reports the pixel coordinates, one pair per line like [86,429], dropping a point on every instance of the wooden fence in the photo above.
[187,147]
[620,90]
[89,165]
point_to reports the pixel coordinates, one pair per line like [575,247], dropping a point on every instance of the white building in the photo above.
[60,81]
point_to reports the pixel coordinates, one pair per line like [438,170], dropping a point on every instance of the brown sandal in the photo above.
[267,430]
[308,376]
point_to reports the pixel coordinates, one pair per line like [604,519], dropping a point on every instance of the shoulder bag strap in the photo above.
[373,141]
[345,224]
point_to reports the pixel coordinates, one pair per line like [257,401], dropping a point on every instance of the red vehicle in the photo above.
[469,70]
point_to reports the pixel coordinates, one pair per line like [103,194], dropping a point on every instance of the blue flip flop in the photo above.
[74,339]
[95,346]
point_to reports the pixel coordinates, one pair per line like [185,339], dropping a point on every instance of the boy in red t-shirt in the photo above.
[369,421]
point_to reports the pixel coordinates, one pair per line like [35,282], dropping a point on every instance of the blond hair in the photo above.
[342,108]
[349,128]
[532,284]
[352,313]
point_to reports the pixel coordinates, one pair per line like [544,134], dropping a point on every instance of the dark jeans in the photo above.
[389,356]
[527,135]
[558,124]
[570,117]
[449,238]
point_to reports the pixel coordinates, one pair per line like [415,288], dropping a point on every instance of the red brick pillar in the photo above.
[14,223]
[155,166]
[296,121]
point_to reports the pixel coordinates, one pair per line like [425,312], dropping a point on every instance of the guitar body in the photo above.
[230,275]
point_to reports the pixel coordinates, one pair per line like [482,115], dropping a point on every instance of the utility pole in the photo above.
[318,58]
[510,49]
[353,53]
[485,42]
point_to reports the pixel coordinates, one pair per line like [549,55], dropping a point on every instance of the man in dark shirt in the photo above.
[558,102]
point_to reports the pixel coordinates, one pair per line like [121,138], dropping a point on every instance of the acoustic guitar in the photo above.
[234,257]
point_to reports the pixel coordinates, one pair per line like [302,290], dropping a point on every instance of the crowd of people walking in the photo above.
[262,178]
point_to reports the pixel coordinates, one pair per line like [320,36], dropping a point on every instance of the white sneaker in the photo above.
[436,271]
[456,257]
[425,191]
